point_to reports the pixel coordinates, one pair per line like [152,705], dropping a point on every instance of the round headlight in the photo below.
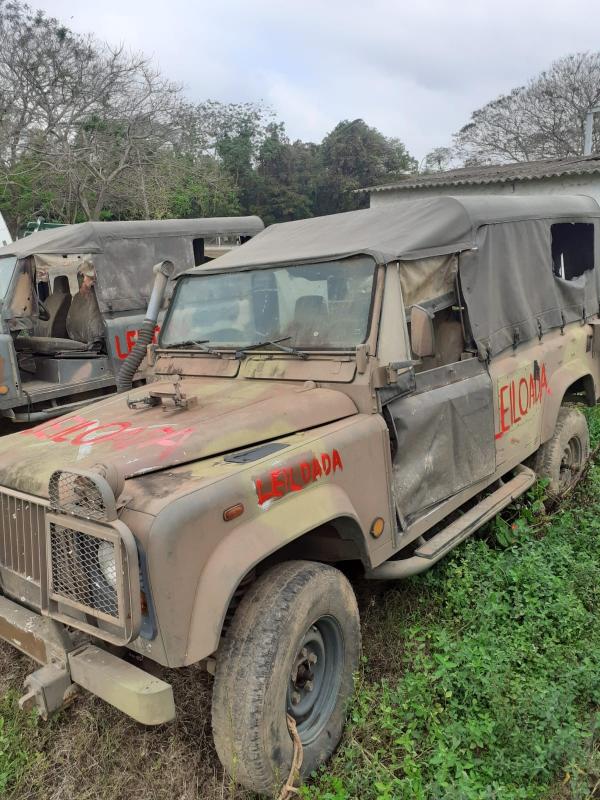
[107,562]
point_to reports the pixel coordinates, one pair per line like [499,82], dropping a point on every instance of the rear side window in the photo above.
[572,249]
[198,245]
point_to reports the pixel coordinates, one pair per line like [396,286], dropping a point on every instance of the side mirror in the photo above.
[421,332]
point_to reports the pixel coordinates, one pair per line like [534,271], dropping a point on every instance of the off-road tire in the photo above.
[562,458]
[255,662]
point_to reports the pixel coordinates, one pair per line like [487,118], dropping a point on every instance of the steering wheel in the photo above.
[43,312]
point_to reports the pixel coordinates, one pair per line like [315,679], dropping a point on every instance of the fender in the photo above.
[263,535]
[559,383]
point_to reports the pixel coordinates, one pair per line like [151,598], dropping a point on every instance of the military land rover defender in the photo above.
[336,390]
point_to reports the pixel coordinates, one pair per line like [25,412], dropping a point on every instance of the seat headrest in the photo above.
[61,285]
[309,305]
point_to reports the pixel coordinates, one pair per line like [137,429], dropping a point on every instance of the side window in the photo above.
[198,245]
[572,249]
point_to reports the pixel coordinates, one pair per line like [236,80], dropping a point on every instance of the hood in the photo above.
[224,415]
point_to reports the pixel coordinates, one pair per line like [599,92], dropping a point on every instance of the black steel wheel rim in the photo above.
[315,678]
[571,461]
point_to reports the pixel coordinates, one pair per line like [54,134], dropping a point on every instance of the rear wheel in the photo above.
[292,648]
[562,459]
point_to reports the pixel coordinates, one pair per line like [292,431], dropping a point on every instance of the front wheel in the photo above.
[292,648]
[562,459]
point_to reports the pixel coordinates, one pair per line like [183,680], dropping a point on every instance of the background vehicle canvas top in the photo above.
[47,370]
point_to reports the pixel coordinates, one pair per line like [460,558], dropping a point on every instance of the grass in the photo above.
[480,681]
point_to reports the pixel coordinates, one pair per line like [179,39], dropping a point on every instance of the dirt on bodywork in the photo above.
[140,440]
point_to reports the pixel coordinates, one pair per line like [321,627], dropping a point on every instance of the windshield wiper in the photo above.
[201,345]
[276,343]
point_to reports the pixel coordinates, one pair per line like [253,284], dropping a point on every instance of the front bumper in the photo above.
[70,661]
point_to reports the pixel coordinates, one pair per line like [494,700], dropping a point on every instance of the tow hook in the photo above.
[48,689]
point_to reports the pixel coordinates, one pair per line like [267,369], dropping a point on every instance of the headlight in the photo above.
[82,493]
[108,563]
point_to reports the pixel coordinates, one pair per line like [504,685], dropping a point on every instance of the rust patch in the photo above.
[25,641]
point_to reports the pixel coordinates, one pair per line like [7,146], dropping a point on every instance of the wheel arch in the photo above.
[264,541]
[565,382]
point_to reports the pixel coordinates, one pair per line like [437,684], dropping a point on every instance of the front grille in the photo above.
[76,573]
[79,571]
[21,534]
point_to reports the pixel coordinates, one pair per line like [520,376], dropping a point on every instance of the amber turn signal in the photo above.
[233,511]
[377,527]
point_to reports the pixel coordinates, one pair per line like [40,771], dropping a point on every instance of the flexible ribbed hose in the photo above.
[136,356]
[162,271]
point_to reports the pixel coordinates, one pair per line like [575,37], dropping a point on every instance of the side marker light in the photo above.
[233,512]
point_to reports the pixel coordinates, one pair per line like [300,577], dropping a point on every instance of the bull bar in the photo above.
[68,662]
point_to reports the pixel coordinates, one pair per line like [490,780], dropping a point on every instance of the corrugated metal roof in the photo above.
[499,173]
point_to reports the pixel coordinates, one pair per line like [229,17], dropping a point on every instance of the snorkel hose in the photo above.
[163,271]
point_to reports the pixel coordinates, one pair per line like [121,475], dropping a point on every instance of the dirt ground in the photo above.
[91,751]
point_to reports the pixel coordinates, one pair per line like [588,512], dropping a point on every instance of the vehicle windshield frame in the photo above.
[5,285]
[236,348]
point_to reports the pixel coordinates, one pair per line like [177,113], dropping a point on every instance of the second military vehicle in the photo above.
[62,346]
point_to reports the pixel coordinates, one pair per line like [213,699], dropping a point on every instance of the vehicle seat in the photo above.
[46,345]
[84,320]
[57,305]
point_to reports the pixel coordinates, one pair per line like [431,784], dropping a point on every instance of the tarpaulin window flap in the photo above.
[510,288]
[427,278]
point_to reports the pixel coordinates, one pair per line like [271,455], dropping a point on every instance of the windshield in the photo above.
[319,306]
[7,266]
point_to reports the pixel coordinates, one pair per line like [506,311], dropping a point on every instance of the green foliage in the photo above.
[482,678]
[354,155]
[522,517]
[16,752]
[593,421]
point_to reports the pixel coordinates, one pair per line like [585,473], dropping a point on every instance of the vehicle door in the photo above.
[444,428]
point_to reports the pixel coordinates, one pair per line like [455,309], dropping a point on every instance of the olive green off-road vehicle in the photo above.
[369,387]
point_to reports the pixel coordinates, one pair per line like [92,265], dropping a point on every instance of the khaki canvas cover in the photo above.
[505,255]
[426,278]
[125,252]
[510,289]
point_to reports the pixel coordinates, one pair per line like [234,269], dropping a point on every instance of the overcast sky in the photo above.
[414,70]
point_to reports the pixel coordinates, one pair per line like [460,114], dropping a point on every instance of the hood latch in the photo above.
[169,399]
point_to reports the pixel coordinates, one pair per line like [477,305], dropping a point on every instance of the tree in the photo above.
[353,156]
[439,159]
[92,132]
[80,115]
[543,119]
[286,174]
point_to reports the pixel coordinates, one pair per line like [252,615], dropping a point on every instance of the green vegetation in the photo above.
[16,751]
[482,678]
